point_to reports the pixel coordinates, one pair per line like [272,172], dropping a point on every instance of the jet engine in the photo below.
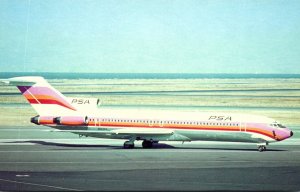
[42,120]
[71,120]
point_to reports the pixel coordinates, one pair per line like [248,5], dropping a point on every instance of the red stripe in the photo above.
[51,101]
[32,101]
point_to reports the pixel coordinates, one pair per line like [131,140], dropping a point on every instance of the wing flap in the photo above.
[126,131]
[143,131]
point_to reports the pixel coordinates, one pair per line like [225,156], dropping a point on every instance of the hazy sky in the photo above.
[169,36]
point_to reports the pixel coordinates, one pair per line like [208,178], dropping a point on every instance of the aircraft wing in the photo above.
[143,131]
[80,131]
[126,131]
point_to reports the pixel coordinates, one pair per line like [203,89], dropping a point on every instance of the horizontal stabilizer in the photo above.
[23,81]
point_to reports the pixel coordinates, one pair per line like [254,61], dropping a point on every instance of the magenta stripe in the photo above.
[23,88]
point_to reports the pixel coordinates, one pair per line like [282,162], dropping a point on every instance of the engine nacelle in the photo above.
[42,120]
[71,120]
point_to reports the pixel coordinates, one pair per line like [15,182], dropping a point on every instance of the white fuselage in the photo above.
[181,126]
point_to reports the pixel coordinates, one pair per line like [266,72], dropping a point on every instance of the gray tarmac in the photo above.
[32,159]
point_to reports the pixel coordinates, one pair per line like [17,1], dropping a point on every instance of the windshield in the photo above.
[278,125]
[281,126]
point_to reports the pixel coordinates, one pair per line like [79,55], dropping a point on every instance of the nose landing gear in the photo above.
[262,148]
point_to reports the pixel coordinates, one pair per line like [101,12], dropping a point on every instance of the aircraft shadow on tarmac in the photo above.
[66,144]
[155,146]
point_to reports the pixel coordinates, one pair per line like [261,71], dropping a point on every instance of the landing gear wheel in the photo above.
[147,144]
[262,148]
[265,148]
[128,145]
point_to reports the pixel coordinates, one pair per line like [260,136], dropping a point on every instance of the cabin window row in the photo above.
[163,122]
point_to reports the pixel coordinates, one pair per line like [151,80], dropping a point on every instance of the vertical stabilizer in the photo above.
[45,99]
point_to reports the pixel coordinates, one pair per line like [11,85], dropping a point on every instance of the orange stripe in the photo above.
[29,96]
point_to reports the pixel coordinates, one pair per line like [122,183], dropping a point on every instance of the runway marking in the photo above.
[22,175]
[40,185]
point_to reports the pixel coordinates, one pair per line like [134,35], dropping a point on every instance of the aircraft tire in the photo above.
[262,148]
[128,145]
[147,144]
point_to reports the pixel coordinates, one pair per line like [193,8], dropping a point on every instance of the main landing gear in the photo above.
[128,145]
[146,144]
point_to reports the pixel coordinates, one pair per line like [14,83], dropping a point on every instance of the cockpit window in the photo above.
[281,126]
[278,125]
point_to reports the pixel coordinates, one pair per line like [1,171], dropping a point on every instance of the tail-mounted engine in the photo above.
[66,120]
[71,120]
[42,120]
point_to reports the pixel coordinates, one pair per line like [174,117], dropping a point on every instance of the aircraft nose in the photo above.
[291,133]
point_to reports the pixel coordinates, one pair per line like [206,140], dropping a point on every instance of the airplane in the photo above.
[83,117]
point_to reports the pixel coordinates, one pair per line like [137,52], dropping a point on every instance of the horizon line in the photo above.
[149,73]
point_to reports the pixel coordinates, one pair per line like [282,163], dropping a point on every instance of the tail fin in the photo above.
[45,99]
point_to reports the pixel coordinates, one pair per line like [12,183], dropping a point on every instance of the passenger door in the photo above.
[243,127]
